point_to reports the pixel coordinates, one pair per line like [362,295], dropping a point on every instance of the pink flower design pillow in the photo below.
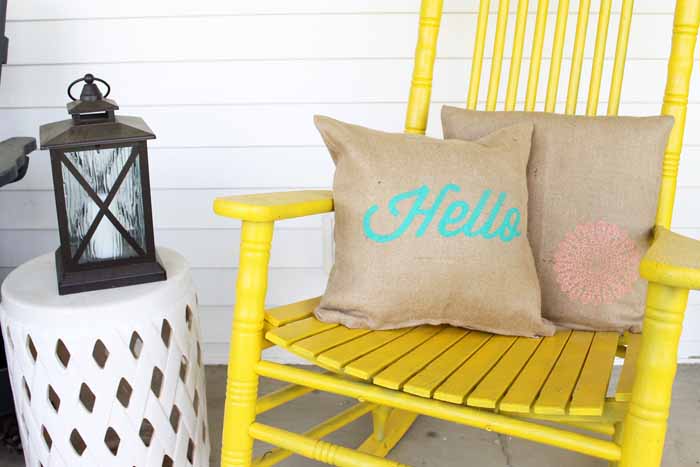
[593,184]
[597,264]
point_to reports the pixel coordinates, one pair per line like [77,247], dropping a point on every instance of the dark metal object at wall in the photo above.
[4,41]
[13,166]
[99,163]
[13,152]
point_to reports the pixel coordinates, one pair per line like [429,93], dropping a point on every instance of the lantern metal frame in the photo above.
[95,127]
[75,277]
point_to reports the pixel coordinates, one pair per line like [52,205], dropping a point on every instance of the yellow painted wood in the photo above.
[617,439]
[478,56]
[672,260]
[645,423]
[266,343]
[584,8]
[388,431]
[680,66]
[268,207]
[337,357]
[478,418]
[623,34]
[422,82]
[614,412]
[495,384]
[404,368]
[428,379]
[536,55]
[556,392]
[314,345]
[380,416]
[281,315]
[296,331]
[318,450]
[600,428]
[369,365]
[598,57]
[623,393]
[517,55]
[280,397]
[456,388]
[592,387]
[526,387]
[321,430]
[557,53]
[497,59]
[246,342]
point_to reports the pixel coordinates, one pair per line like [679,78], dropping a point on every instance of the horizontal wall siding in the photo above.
[230,89]
[51,10]
[269,37]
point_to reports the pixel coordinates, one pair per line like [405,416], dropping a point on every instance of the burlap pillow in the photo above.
[410,251]
[593,185]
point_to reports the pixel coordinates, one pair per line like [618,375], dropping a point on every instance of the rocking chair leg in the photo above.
[246,345]
[389,427]
[645,423]
[617,439]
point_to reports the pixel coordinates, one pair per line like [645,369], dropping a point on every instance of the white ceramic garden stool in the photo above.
[106,378]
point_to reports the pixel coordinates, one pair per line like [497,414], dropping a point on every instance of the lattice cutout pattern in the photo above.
[133,395]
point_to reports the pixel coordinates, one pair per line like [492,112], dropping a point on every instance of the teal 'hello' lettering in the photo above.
[454,214]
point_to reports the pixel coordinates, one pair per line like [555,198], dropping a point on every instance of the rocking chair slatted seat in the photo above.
[567,373]
[504,384]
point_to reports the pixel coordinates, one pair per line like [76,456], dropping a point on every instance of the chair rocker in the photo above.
[503,384]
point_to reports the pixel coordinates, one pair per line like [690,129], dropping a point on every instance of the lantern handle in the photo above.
[89,79]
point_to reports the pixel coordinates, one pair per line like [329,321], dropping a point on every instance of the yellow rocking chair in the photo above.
[503,384]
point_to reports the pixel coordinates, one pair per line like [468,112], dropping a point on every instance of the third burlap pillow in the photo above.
[430,232]
[593,184]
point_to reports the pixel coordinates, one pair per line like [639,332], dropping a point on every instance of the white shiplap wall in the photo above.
[230,89]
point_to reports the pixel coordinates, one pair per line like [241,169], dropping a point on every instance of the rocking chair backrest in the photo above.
[687,18]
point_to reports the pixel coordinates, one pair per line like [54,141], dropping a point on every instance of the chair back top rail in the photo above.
[501,22]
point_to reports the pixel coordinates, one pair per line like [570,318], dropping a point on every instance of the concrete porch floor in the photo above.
[433,443]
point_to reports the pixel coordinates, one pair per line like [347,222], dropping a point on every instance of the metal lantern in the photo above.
[99,163]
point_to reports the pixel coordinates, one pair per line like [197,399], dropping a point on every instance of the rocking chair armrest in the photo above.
[270,207]
[672,260]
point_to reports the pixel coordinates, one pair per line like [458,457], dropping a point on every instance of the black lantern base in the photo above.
[70,282]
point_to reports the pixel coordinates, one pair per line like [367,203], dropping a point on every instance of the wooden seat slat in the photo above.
[556,392]
[524,390]
[337,357]
[310,347]
[429,378]
[456,388]
[281,315]
[592,387]
[497,381]
[296,331]
[404,368]
[372,363]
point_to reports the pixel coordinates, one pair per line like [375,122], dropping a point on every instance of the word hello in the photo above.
[455,214]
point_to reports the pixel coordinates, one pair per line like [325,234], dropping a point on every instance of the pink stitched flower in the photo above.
[596,263]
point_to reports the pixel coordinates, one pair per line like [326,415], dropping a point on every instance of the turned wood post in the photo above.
[246,344]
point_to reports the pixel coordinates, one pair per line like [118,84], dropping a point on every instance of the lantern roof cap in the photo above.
[101,105]
[66,134]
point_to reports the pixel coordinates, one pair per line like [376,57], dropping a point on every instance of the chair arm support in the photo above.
[673,260]
[270,207]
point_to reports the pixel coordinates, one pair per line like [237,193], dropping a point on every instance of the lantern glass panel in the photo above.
[100,168]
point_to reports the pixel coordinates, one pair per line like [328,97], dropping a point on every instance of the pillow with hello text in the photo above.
[431,232]
[594,184]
